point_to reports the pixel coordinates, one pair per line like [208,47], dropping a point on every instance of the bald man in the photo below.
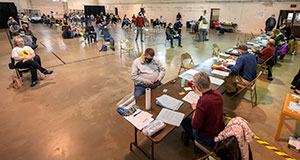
[265,54]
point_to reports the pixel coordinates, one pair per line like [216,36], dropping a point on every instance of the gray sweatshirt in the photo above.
[141,72]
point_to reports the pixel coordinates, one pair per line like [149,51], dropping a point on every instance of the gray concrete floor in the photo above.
[72,115]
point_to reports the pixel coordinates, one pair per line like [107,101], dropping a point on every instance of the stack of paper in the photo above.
[139,119]
[216,81]
[192,97]
[188,75]
[168,102]
[294,107]
[224,55]
[231,61]
[221,73]
[170,117]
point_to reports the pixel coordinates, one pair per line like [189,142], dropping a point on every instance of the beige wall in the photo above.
[250,16]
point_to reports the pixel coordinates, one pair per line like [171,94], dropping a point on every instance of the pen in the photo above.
[137,113]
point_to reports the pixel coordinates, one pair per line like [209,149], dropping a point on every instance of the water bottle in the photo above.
[182,82]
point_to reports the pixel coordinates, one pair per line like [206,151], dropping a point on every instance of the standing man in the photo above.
[146,72]
[207,120]
[139,25]
[270,23]
[245,69]
[178,16]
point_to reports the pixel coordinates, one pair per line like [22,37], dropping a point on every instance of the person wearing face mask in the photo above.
[270,23]
[24,58]
[27,39]
[171,35]
[243,71]
[146,72]
[207,120]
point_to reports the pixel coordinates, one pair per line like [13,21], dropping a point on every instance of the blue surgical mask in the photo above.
[22,34]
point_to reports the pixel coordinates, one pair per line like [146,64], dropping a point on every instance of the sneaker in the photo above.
[172,46]
[270,78]
[180,46]
[142,41]
[47,72]
[113,49]
[34,83]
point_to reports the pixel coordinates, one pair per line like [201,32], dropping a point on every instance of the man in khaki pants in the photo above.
[244,71]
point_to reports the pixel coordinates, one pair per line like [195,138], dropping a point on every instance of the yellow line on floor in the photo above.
[267,145]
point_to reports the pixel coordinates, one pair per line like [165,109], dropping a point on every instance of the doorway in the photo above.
[214,16]
[293,17]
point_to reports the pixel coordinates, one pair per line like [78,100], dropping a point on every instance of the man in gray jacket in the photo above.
[146,72]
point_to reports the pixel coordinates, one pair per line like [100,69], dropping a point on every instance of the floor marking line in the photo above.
[267,145]
[53,54]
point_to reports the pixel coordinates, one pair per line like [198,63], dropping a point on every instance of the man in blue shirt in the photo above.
[245,67]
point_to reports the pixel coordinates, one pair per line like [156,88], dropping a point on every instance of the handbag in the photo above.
[17,83]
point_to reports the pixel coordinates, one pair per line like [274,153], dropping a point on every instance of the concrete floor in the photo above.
[71,115]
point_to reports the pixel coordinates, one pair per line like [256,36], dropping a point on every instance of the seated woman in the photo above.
[219,27]
[68,33]
[90,32]
[23,56]
[28,32]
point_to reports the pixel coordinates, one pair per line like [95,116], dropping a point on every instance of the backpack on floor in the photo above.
[103,48]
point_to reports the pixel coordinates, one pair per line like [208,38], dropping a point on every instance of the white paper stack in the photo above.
[192,97]
[294,107]
[139,119]
[188,75]
[231,61]
[216,81]
[168,102]
[221,73]
[224,55]
[170,117]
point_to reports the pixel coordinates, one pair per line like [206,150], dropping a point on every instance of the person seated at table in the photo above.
[146,72]
[76,27]
[14,29]
[171,35]
[108,38]
[90,31]
[207,120]
[245,69]
[67,33]
[23,56]
[295,85]
[27,39]
[219,28]
[265,54]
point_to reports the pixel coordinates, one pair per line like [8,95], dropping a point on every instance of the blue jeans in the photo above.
[172,40]
[140,90]
[276,55]
[88,37]
[202,34]
[194,134]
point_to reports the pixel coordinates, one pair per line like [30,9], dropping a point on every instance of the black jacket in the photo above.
[170,32]
[228,149]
